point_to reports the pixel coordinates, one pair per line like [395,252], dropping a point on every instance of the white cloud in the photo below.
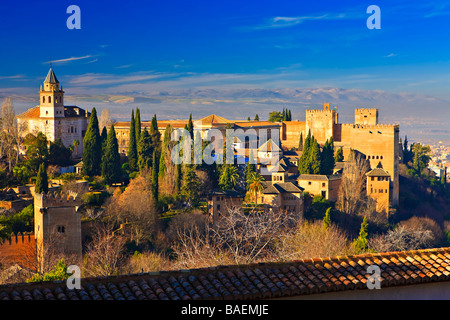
[65,60]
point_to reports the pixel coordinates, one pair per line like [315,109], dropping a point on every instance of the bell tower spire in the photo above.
[51,97]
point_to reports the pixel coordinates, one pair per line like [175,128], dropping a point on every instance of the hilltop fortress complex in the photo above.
[379,143]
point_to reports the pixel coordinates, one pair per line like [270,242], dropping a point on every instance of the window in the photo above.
[43,99]
[61,229]
[50,99]
[323,184]
[372,178]
[218,207]
[309,183]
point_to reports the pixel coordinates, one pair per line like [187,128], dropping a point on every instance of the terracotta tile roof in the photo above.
[31,113]
[282,187]
[255,281]
[378,172]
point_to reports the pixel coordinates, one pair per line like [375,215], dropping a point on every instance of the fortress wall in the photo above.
[290,133]
[12,250]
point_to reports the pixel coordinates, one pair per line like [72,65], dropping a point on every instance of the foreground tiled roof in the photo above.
[256,281]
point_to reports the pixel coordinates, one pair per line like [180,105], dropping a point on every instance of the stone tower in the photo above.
[378,187]
[366,116]
[57,223]
[321,123]
[51,97]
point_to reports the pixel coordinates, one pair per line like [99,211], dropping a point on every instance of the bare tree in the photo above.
[8,131]
[352,197]
[105,253]
[105,119]
[313,240]
[235,238]
[414,233]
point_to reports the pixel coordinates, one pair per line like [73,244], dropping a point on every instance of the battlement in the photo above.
[56,199]
[369,126]
[364,110]
[319,111]
[17,247]
[17,238]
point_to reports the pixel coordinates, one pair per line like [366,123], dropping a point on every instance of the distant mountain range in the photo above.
[420,117]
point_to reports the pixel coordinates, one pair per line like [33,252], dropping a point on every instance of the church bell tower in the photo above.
[51,97]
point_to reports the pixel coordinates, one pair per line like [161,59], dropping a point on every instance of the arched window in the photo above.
[43,99]
[49,99]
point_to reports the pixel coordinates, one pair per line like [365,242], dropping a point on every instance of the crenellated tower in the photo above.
[57,223]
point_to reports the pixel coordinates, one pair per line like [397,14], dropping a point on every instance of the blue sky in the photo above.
[132,45]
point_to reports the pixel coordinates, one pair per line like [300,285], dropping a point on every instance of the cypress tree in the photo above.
[137,120]
[256,117]
[191,186]
[300,143]
[190,126]
[304,161]
[92,147]
[145,150]
[132,145]
[111,168]
[315,159]
[360,243]
[155,185]
[103,138]
[155,134]
[41,185]
[327,218]
[289,116]
[327,158]
[339,156]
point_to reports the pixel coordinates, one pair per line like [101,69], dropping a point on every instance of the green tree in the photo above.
[58,273]
[190,126]
[327,157]
[315,158]
[37,149]
[339,156]
[256,117]
[155,185]
[300,142]
[111,168]
[304,162]
[155,134]
[132,145]
[421,157]
[191,186]
[41,185]
[255,182]
[76,143]
[275,116]
[229,177]
[92,147]
[58,154]
[145,150]
[327,218]
[289,118]
[360,243]
[137,120]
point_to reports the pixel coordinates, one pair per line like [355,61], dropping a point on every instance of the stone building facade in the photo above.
[53,118]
